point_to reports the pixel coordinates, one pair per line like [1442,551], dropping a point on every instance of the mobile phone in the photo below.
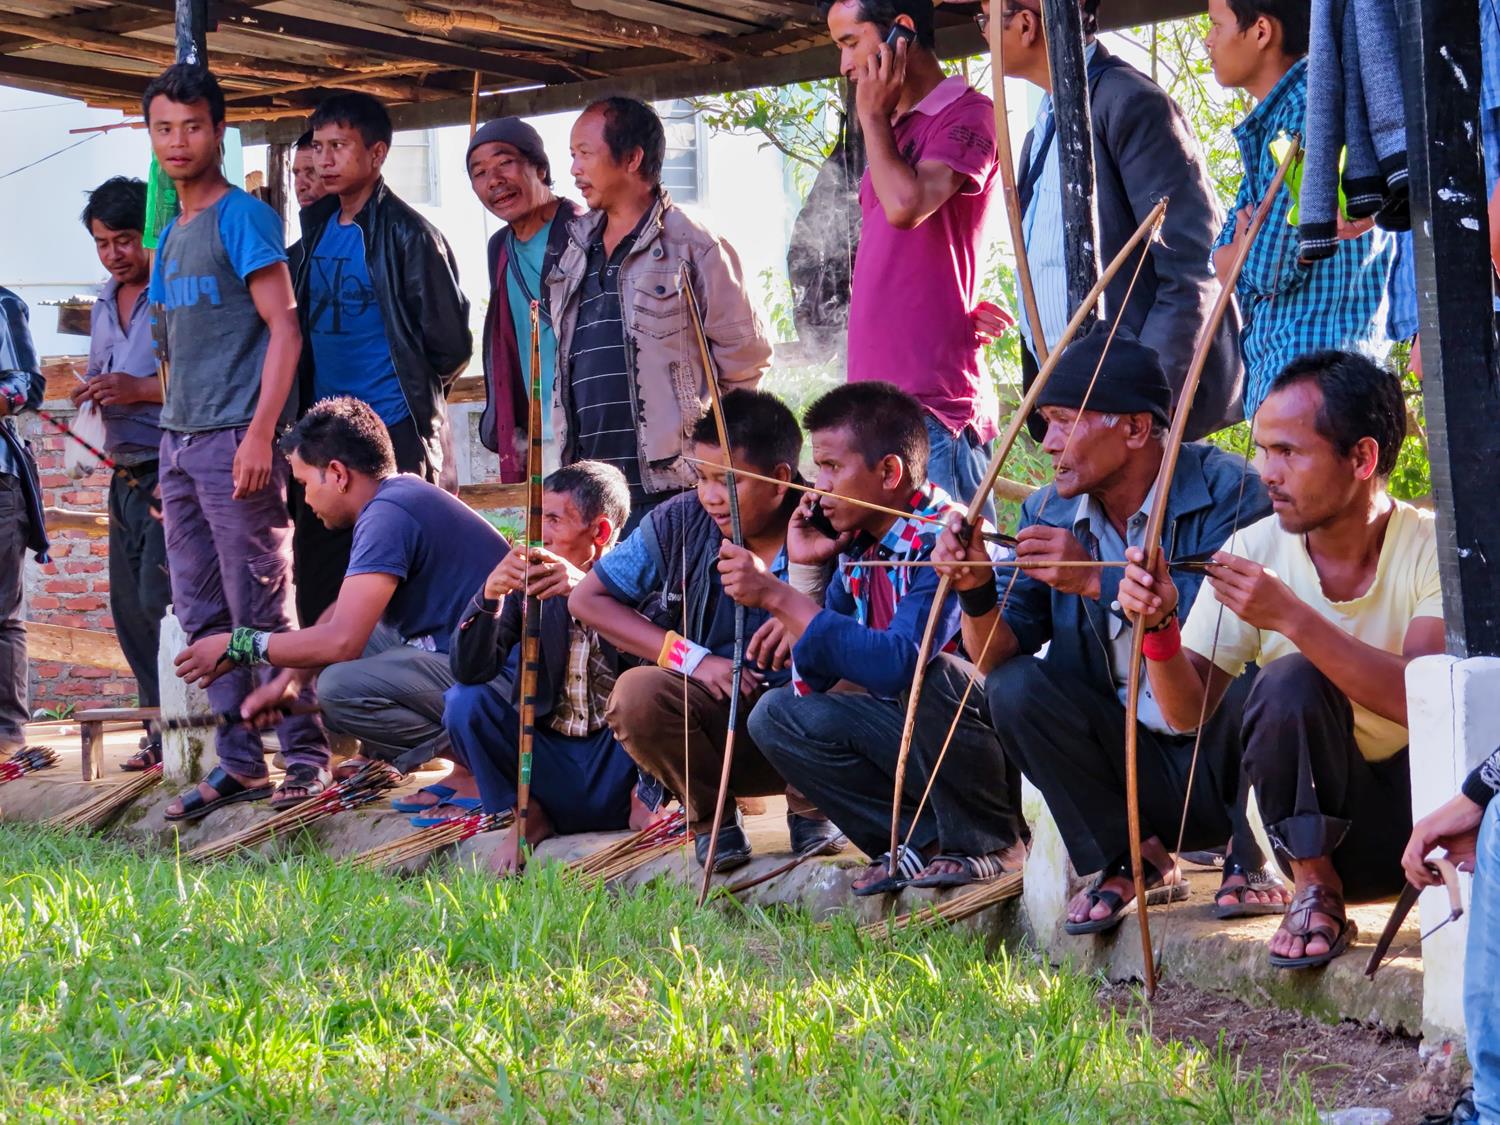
[899,32]
[818,520]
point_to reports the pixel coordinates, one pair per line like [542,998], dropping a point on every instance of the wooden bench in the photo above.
[91,729]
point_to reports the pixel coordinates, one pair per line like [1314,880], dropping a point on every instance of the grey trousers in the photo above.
[391,699]
[15,524]
[840,749]
[139,587]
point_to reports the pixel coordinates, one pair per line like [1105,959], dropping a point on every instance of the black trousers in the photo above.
[140,588]
[840,749]
[1069,739]
[1317,794]
[320,554]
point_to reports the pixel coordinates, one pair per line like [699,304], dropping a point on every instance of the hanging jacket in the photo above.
[21,370]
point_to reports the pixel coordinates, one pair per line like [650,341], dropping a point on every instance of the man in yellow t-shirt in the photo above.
[1331,595]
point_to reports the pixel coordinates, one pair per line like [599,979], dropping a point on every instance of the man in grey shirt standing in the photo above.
[121,380]
[224,295]
[21,526]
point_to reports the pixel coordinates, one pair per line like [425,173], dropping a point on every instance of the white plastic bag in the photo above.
[89,425]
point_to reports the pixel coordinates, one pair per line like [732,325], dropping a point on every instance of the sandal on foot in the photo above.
[973,869]
[143,759]
[1229,902]
[908,866]
[304,780]
[1310,900]
[349,767]
[230,792]
[1157,894]
[407,805]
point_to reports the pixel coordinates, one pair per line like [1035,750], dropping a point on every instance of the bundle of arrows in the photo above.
[965,904]
[97,812]
[26,760]
[425,841]
[352,793]
[636,850]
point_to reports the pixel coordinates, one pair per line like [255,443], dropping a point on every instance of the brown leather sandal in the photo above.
[1316,899]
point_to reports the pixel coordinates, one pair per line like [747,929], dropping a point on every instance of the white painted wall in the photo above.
[45,252]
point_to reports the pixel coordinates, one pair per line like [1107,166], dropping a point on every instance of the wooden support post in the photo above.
[92,733]
[192,31]
[278,179]
[1063,23]
[1441,79]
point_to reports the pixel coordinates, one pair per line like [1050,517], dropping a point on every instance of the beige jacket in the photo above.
[668,387]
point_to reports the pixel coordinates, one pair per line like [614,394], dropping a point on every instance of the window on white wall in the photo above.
[682,172]
[411,168]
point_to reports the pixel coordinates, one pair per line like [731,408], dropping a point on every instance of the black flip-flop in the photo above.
[231,792]
[1316,899]
[908,866]
[1229,902]
[1157,894]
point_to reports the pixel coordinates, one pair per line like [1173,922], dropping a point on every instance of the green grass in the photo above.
[137,989]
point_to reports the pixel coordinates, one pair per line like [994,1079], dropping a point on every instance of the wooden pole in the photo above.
[278,179]
[191,25]
[1063,23]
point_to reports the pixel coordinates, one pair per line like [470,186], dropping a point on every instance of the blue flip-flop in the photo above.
[463,804]
[406,804]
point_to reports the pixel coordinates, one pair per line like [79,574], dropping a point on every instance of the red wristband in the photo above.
[1163,644]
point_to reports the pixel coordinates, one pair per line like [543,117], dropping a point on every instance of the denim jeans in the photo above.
[956,463]
[1482,970]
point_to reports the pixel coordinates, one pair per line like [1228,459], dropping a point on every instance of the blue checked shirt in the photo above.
[1288,308]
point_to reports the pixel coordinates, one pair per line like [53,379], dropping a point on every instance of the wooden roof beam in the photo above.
[503,16]
[160,54]
[399,46]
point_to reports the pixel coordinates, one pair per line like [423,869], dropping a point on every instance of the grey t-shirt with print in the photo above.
[215,339]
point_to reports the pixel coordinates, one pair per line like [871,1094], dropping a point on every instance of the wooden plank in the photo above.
[679,80]
[395,44]
[92,524]
[493,497]
[467,388]
[117,714]
[76,80]
[59,644]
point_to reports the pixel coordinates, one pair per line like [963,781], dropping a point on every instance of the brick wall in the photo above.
[73,589]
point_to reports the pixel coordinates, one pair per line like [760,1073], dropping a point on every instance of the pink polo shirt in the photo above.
[913,289]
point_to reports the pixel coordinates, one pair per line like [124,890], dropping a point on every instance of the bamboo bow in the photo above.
[532,638]
[736,535]
[1148,228]
[1155,524]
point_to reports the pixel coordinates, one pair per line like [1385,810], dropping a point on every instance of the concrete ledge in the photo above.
[1226,957]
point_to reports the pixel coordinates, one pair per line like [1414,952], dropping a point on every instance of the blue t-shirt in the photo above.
[630,575]
[439,549]
[216,340]
[528,256]
[351,355]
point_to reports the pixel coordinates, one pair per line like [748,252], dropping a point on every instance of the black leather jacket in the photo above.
[426,314]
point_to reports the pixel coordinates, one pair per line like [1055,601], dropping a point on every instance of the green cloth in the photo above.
[161,205]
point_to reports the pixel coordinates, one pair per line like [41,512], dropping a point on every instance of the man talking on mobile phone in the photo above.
[930,142]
